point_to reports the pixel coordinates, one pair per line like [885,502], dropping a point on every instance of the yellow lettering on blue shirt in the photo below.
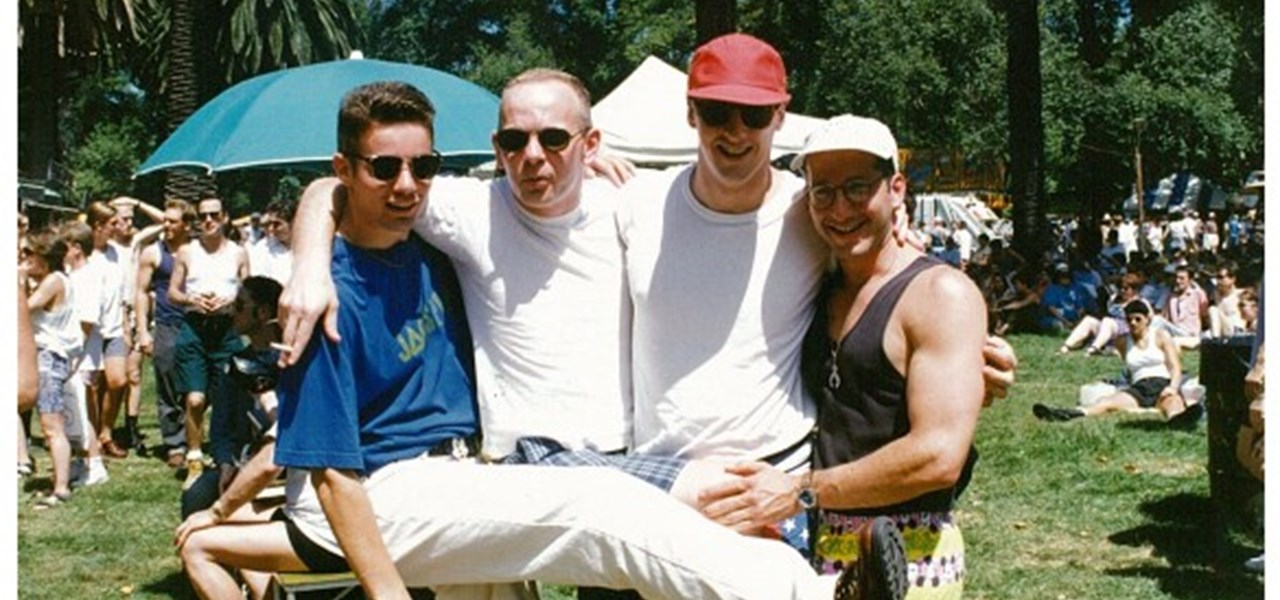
[413,337]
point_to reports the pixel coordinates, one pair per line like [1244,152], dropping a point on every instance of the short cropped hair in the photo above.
[283,208]
[1137,307]
[264,291]
[538,75]
[100,212]
[383,102]
[187,209]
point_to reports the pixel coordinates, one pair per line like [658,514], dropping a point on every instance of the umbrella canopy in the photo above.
[289,118]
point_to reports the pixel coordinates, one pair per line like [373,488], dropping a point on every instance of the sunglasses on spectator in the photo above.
[717,114]
[210,215]
[388,168]
[855,191]
[553,139]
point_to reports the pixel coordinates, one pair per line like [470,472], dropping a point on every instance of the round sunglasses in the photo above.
[553,139]
[387,168]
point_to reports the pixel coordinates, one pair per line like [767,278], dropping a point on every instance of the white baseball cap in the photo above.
[849,132]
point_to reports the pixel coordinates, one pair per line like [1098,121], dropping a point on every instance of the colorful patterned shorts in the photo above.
[935,551]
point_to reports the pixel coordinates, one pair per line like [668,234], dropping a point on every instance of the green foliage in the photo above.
[102,166]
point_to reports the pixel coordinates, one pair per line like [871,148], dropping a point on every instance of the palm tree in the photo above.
[57,38]
[244,38]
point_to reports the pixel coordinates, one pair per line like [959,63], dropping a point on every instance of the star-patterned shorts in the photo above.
[935,550]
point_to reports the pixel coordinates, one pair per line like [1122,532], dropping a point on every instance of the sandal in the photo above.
[51,500]
[26,469]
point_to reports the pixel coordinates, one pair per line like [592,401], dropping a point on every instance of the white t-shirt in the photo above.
[722,303]
[107,275]
[548,310]
[86,306]
[269,258]
[57,329]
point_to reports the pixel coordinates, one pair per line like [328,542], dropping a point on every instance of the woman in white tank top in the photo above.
[1155,370]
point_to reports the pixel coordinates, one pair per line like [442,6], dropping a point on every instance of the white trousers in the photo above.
[459,523]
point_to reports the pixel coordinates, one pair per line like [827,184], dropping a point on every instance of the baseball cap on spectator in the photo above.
[849,132]
[739,69]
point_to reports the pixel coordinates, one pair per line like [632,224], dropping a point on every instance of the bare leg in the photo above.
[24,457]
[59,450]
[1115,402]
[195,420]
[210,553]
[1087,327]
[114,368]
[134,373]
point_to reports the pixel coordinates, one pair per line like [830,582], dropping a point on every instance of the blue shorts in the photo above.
[54,370]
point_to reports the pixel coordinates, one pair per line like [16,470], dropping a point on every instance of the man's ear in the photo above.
[591,140]
[343,167]
[689,114]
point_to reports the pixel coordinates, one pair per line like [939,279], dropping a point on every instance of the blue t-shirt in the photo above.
[398,383]
[1067,298]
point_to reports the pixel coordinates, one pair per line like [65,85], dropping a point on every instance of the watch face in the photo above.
[807,499]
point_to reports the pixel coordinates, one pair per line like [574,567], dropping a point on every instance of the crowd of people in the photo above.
[599,383]
[1186,278]
[102,294]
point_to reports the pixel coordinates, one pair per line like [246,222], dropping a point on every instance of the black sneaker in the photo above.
[880,573]
[1050,413]
[1189,418]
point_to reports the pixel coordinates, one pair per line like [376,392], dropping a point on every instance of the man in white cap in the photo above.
[891,442]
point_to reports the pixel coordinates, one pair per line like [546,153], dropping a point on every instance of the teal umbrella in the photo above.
[289,119]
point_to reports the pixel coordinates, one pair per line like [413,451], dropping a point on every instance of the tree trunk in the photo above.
[715,18]
[182,99]
[1093,165]
[1026,130]
[38,106]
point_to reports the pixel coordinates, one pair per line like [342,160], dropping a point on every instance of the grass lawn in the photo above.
[1112,508]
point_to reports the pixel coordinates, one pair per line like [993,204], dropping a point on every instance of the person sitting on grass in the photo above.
[1155,371]
[1106,328]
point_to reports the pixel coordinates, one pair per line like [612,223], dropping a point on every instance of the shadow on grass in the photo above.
[1157,423]
[1203,564]
[173,585]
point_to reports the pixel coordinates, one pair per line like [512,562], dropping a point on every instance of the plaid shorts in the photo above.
[659,471]
[54,371]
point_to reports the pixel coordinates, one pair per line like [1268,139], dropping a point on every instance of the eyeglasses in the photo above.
[856,191]
[210,215]
[552,139]
[717,114]
[387,168]
[273,223]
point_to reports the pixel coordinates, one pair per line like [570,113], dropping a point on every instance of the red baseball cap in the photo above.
[738,68]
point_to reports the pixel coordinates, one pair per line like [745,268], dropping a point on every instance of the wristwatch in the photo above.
[807,497]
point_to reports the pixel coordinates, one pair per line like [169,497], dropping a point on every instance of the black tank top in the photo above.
[861,397]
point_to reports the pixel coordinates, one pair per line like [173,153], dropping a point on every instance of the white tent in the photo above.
[645,120]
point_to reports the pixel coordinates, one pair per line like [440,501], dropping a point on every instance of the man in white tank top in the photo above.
[206,278]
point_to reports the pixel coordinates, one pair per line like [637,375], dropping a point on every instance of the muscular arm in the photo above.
[142,297]
[350,514]
[1171,359]
[944,395]
[310,294]
[178,281]
[944,365]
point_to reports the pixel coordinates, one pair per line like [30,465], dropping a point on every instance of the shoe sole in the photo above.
[887,576]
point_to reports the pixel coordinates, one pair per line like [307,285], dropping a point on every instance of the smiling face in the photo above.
[175,225]
[380,213]
[857,226]
[733,153]
[546,182]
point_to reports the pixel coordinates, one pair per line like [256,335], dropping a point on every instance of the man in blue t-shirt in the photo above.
[377,426]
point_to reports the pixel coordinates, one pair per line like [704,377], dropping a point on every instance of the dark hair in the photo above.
[263,291]
[384,102]
[1137,307]
[283,208]
[49,246]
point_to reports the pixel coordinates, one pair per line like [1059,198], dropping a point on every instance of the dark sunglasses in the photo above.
[717,114]
[387,168]
[553,139]
[210,215]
